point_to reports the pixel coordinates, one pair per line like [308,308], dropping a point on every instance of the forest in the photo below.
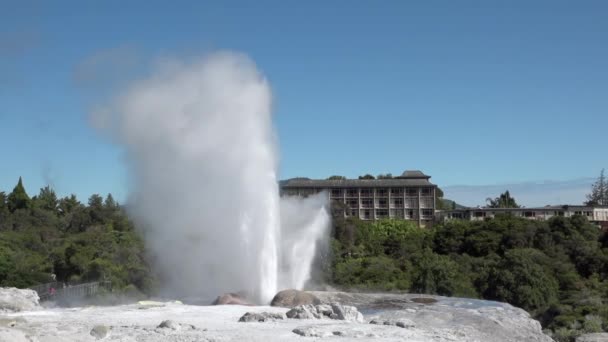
[45,238]
[557,269]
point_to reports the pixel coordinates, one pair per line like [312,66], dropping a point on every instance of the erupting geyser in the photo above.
[202,156]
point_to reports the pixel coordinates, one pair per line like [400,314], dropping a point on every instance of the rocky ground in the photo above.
[385,318]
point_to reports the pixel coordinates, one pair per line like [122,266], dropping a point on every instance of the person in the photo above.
[52,291]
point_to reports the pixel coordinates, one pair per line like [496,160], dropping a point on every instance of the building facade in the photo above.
[598,215]
[410,196]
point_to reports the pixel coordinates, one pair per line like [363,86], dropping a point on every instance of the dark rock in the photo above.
[231,299]
[261,317]
[291,298]
[311,332]
[168,324]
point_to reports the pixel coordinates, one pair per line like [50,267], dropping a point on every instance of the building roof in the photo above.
[413,174]
[545,208]
[354,183]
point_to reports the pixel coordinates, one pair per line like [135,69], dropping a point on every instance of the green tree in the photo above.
[599,191]
[18,199]
[336,177]
[367,176]
[522,279]
[68,204]
[503,201]
[438,274]
[47,199]
[385,176]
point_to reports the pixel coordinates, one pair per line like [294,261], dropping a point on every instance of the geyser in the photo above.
[202,158]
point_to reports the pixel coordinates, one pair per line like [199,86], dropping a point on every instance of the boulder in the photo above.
[595,337]
[311,332]
[231,299]
[261,316]
[15,300]
[99,332]
[304,312]
[333,311]
[347,313]
[168,324]
[291,298]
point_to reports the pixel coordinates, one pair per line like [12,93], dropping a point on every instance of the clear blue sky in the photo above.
[471,92]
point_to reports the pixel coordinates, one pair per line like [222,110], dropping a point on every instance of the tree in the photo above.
[336,177]
[503,201]
[367,176]
[385,176]
[599,191]
[47,199]
[3,205]
[68,204]
[523,279]
[18,199]
[110,203]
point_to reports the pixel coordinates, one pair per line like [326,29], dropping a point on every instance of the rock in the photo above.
[15,300]
[231,299]
[311,332]
[405,324]
[292,298]
[333,311]
[347,313]
[261,316]
[168,324]
[99,331]
[595,337]
[304,312]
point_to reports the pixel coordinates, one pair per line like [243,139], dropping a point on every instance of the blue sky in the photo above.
[473,93]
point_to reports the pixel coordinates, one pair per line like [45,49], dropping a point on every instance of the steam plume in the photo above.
[202,158]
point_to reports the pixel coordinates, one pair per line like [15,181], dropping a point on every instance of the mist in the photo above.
[201,153]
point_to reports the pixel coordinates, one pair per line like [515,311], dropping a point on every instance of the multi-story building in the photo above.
[597,214]
[410,196]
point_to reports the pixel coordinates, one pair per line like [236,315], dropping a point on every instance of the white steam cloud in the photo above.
[203,160]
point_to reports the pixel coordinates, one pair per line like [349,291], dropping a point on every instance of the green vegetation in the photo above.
[44,236]
[557,270]
[503,201]
[599,191]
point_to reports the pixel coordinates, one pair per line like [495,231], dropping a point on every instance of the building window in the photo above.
[353,203]
[411,202]
[426,203]
[352,193]
[382,203]
[427,213]
[367,214]
[381,214]
[529,214]
[396,213]
[479,214]
[396,192]
[425,192]
[381,192]
[367,203]
[410,214]
[336,192]
[366,193]
[411,192]
[398,202]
